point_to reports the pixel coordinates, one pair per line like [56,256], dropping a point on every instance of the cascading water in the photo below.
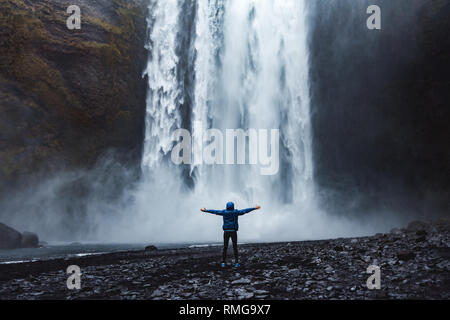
[226,65]
[251,71]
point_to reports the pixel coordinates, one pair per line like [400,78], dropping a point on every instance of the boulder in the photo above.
[151,248]
[443,224]
[396,231]
[29,240]
[9,238]
[418,226]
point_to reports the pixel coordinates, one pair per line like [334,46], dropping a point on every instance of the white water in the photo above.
[251,71]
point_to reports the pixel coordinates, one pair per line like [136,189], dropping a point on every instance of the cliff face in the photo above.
[67,96]
[380,104]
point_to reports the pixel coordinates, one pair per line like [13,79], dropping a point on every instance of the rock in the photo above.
[295,272]
[9,238]
[157,293]
[421,232]
[67,86]
[29,240]
[421,239]
[443,224]
[261,292]
[249,295]
[417,226]
[241,281]
[406,255]
[151,248]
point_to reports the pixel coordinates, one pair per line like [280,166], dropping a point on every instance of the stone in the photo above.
[151,248]
[261,292]
[9,238]
[406,255]
[157,293]
[295,272]
[417,226]
[241,281]
[29,240]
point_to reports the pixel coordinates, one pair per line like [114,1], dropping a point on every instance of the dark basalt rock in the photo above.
[150,248]
[418,226]
[406,255]
[29,240]
[9,238]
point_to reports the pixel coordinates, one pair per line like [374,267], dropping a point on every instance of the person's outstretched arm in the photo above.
[244,211]
[218,212]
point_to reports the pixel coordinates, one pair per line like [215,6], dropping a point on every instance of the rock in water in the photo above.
[29,240]
[150,248]
[9,238]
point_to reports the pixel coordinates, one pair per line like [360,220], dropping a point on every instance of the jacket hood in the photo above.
[230,206]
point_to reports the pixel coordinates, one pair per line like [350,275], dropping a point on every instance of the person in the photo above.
[230,228]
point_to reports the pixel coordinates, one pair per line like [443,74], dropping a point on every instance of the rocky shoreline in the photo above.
[414,264]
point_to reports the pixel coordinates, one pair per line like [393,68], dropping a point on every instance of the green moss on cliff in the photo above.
[80,82]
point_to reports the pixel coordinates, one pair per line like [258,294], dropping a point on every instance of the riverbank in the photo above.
[414,264]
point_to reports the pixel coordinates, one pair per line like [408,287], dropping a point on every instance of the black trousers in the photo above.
[226,238]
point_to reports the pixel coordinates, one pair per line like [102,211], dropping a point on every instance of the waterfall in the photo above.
[164,93]
[250,71]
[227,65]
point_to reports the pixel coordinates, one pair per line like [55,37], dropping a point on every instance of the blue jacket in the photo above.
[230,216]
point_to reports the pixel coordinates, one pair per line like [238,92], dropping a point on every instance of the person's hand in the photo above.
[258,207]
[203,209]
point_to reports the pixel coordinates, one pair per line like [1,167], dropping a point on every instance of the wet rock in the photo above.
[421,232]
[29,240]
[421,239]
[295,272]
[261,292]
[241,281]
[406,255]
[150,248]
[417,226]
[9,238]
[443,224]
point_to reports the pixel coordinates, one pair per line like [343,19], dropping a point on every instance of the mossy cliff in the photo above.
[67,96]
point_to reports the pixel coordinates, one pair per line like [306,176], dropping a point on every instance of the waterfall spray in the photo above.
[247,67]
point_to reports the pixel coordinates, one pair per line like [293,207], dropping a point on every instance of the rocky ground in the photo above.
[414,264]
